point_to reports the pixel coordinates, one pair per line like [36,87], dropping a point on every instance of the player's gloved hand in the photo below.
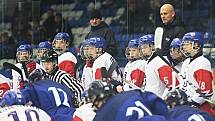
[31,65]
[8,99]
[36,75]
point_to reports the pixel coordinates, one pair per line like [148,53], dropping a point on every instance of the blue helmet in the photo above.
[128,53]
[62,35]
[98,42]
[133,43]
[147,39]
[45,44]
[196,37]
[24,48]
[176,43]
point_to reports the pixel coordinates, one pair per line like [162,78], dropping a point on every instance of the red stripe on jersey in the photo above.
[76,118]
[98,74]
[67,66]
[138,77]
[204,79]
[165,75]
[214,76]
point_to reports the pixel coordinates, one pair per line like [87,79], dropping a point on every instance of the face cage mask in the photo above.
[129,56]
[148,55]
[40,52]
[193,49]
[180,58]
[88,56]
[59,51]
[26,58]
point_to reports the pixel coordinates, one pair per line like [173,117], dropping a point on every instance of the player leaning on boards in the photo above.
[66,60]
[100,65]
[134,71]
[196,71]
[158,73]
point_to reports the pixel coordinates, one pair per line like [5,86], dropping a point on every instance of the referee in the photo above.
[50,64]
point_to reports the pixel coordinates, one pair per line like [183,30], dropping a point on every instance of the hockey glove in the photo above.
[31,66]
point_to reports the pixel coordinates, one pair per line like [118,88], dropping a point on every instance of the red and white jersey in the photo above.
[16,76]
[105,60]
[5,85]
[66,62]
[23,113]
[84,113]
[197,76]
[87,77]
[134,72]
[159,76]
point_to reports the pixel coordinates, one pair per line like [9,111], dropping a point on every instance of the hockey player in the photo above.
[158,73]
[23,113]
[25,63]
[126,106]
[50,96]
[134,71]
[4,85]
[180,110]
[66,60]
[42,47]
[196,71]
[103,65]
[176,56]
[50,64]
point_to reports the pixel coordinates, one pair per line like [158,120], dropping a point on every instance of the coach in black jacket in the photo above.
[173,27]
[100,29]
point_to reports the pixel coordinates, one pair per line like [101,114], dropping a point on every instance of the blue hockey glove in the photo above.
[8,99]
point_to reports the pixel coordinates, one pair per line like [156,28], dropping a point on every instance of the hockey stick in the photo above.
[25,69]
[13,67]
[158,46]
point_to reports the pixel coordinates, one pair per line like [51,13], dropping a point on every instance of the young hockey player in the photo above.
[134,69]
[66,60]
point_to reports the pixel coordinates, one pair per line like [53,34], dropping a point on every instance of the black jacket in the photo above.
[104,31]
[174,30]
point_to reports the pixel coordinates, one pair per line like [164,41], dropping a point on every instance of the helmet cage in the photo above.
[87,54]
[60,46]
[132,53]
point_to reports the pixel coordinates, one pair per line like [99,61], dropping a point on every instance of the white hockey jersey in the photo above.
[66,62]
[95,72]
[105,60]
[87,77]
[134,72]
[16,77]
[158,76]
[197,77]
[84,113]
[23,113]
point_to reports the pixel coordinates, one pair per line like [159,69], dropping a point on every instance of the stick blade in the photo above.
[158,37]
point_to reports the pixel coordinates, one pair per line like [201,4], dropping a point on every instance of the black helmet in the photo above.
[98,90]
[177,97]
[50,55]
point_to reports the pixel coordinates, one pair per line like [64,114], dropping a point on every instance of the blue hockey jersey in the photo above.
[52,97]
[130,106]
[188,113]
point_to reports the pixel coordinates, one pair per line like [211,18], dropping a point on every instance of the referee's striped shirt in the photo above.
[64,78]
